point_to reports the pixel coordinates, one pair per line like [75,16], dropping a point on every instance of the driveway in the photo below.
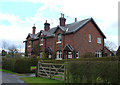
[11,78]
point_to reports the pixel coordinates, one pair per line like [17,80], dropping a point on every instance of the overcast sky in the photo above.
[18,16]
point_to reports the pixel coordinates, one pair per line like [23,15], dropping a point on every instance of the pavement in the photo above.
[13,79]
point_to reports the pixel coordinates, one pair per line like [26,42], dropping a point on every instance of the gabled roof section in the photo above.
[68,47]
[67,29]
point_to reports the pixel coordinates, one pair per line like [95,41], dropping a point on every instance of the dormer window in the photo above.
[41,41]
[59,38]
[29,43]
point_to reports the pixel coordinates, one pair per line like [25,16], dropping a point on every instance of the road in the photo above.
[11,78]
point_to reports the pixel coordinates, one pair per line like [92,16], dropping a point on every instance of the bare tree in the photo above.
[12,49]
[110,45]
[4,45]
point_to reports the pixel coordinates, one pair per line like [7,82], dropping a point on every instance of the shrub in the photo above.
[89,55]
[20,65]
[93,71]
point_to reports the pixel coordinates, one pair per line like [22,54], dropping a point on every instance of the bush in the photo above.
[20,65]
[93,72]
[89,55]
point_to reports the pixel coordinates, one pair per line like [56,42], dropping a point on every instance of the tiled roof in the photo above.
[69,28]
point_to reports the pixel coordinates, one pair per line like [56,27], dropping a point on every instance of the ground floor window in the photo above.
[41,55]
[59,55]
[77,54]
[29,54]
[69,54]
[98,54]
[50,56]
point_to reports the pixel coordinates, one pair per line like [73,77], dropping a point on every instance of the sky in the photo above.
[18,16]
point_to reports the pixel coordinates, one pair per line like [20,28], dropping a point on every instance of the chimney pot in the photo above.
[75,19]
[62,20]
[34,29]
[46,26]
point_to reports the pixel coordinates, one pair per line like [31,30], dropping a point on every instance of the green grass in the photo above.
[32,67]
[7,71]
[40,80]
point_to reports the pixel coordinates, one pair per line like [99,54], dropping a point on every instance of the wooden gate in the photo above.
[53,71]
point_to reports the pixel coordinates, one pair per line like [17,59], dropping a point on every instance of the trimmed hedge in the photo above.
[19,65]
[93,72]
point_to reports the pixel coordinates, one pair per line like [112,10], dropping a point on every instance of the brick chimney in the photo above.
[46,26]
[33,29]
[62,20]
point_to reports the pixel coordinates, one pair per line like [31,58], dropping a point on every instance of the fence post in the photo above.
[66,72]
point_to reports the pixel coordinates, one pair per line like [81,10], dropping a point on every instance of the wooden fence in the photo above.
[53,71]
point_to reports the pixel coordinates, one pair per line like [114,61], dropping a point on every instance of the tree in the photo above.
[110,45]
[36,50]
[4,53]
[4,45]
[118,52]
[12,50]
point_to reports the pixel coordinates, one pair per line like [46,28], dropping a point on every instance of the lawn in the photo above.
[7,71]
[40,80]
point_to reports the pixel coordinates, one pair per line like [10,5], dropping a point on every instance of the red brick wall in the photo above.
[81,39]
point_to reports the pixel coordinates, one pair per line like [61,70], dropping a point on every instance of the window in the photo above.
[99,40]
[29,43]
[41,41]
[59,55]
[98,54]
[69,54]
[90,38]
[77,54]
[59,38]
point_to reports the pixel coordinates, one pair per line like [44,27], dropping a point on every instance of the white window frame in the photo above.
[29,43]
[59,55]
[69,55]
[41,41]
[90,38]
[99,41]
[77,54]
[99,54]
[59,38]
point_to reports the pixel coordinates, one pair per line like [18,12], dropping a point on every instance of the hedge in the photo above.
[20,65]
[93,72]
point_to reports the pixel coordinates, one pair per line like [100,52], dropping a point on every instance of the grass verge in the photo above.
[33,80]
[7,71]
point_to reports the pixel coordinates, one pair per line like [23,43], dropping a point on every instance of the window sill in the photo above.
[41,44]
[58,42]
[58,58]
[29,46]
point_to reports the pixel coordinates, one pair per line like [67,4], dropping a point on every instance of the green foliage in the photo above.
[89,55]
[36,50]
[20,65]
[44,55]
[93,72]
[4,53]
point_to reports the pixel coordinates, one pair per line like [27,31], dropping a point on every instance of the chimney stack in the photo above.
[75,19]
[34,29]
[62,20]
[46,26]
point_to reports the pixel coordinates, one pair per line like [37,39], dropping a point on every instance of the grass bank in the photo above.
[33,80]
[10,72]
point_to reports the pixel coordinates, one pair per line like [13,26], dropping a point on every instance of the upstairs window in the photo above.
[59,38]
[41,41]
[90,38]
[99,40]
[29,43]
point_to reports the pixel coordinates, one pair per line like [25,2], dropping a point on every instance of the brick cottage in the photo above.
[67,40]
